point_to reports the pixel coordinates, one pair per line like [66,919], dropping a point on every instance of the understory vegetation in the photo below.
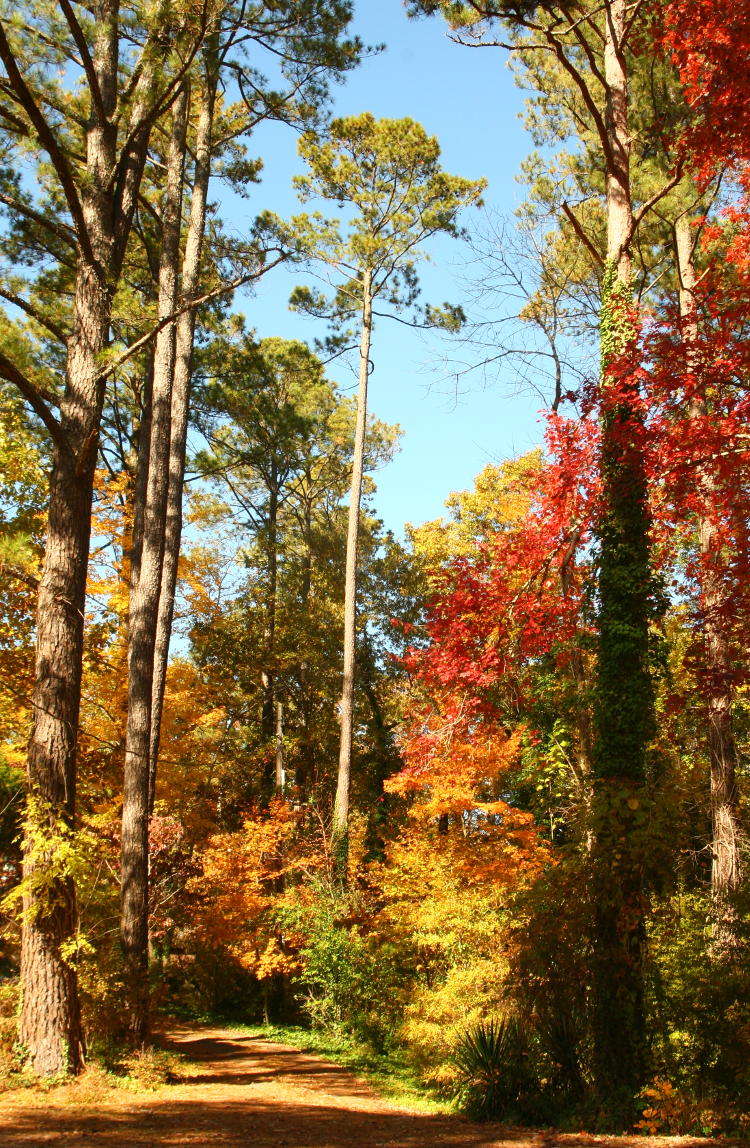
[466,807]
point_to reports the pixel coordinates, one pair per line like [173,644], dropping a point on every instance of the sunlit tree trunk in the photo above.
[268,702]
[184,340]
[341,807]
[280,768]
[305,771]
[145,578]
[50,1022]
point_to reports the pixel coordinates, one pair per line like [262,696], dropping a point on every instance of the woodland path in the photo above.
[243,1092]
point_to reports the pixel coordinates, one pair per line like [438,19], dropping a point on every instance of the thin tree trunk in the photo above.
[341,807]
[50,1022]
[185,334]
[717,680]
[145,579]
[280,771]
[305,771]
[268,703]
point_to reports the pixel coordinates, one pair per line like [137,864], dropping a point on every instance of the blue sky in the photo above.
[468,99]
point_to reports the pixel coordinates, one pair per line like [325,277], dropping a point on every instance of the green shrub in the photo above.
[700,1010]
[352,980]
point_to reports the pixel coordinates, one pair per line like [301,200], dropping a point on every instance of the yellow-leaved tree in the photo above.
[451,876]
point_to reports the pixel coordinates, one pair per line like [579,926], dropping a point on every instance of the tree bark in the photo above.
[280,768]
[341,808]
[145,579]
[185,332]
[50,1022]
[726,871]
[304,773]
[100,194]
[268,703]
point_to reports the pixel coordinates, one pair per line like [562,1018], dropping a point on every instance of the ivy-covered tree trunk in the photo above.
[624,698]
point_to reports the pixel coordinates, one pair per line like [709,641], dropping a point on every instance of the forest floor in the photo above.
[239,1091]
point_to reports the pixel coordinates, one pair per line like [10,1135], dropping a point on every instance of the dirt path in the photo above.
[243,1092]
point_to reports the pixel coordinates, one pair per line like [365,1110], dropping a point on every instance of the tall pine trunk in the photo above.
[145,580]
[50,1022]
[101,192]
[268,683]
[304,774]
[181,383]
[340,833]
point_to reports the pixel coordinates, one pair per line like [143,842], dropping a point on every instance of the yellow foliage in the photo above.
[452,915]
[450,877]
[500,500]
[23,492]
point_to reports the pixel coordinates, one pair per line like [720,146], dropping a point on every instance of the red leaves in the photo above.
[710,45]
[519,597]
[700,457]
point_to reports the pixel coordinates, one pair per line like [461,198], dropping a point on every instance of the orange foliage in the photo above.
[242,883]
[455,770]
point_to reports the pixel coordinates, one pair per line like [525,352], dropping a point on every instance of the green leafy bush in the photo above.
[353,979]
[700,1009]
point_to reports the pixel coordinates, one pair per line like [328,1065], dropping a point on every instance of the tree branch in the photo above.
[582,234]
[19,574]
[37,399]
[646,207]
[63,233]
[86,62]
[29,309]
[50,144]
[192,304]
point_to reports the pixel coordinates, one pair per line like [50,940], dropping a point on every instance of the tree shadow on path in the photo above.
[249,1093]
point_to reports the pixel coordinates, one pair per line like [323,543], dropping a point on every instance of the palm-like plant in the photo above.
[496,1078]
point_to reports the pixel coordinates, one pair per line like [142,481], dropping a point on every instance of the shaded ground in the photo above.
[243,1092]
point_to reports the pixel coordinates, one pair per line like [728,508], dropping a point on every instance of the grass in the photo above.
[388,1073]
[145,1070]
